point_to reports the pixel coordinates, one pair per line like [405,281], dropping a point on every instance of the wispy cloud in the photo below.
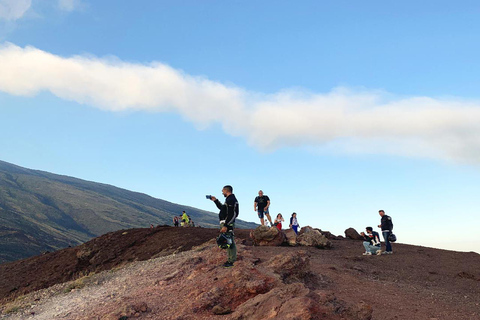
[341,120]
[69,5]
[11,10]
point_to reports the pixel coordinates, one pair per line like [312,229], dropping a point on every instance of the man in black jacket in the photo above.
[371,242]
[387,226]
[227,215]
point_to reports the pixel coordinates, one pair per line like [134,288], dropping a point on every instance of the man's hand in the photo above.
[362,233]
[213,198]
[379,225]
[223,230]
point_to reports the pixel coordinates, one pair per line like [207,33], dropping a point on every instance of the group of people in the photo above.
[229,212]
[372,242]
[184,220]
[261,206]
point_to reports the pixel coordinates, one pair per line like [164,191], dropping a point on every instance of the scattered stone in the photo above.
[291,266]
[466,275]
[293,301]
[265,236]
[351,233]
[291,237]
[313,238]
[220,310]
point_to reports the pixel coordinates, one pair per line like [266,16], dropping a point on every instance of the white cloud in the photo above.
[338,121]
[69,5]
[12,10]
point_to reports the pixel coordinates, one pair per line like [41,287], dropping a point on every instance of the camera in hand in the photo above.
[209,197]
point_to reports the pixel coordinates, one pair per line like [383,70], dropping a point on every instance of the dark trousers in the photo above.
[388,245]
[232,251]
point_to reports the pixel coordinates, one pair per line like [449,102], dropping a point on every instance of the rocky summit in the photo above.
[176,273]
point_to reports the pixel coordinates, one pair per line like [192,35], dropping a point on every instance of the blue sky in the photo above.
[334,109]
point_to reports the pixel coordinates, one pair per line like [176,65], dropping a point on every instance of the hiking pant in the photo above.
[370,248]
[232,251]
[388,245]
[295,228]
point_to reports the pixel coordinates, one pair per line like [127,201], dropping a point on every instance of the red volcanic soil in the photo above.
[413,283]
[106,252]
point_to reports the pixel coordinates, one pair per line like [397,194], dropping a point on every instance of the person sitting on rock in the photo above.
[372,242]
[294,223]
[278,221]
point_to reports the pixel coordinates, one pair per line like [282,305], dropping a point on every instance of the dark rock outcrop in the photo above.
[351,233]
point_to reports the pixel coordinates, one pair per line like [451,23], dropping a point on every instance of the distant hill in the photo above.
[41,211]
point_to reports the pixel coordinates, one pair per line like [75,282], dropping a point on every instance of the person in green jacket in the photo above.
[185,219]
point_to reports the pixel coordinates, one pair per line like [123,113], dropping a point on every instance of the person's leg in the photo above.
[268,217]
[366,244]
[388,245]
[260,216]
[295,228]
[232,251]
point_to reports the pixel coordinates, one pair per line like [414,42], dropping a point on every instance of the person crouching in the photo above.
[371,242]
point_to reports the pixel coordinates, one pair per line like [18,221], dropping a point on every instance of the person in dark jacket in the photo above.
[386,225]
[227,215]
[294,223]
[371,242]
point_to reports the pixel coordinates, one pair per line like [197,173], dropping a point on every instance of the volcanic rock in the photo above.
[292,266]
[291,237]
[293,301]
[313,238]
[351,233]
[265,236]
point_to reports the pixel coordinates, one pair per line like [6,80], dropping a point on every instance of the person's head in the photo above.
[260,193]
[369,229]
[294,215]
[227,190]
[381,213]
[183,211]
[279,216]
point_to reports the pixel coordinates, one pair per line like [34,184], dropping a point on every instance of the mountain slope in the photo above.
[113,278]
[41,211]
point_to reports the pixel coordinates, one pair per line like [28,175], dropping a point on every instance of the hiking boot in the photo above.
[227,264]
[367,253]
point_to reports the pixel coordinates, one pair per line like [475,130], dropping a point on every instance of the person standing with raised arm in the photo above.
[261,205]
[227,215]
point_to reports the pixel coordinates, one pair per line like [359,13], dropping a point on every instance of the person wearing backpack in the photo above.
[386,225]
